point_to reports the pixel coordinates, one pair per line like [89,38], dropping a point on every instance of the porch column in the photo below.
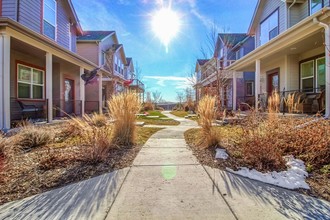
[4,82]
[49,85]
[257,82]
[234,90]
[82,91]
[100,93]
[327,72]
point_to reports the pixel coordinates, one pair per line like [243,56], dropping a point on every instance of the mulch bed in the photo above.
[49,167]
[319,183]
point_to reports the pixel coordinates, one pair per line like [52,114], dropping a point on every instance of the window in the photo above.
[269,28]
[49,18]
[307,76]
[30,82]
[249,88]
[315,5]
[320,73]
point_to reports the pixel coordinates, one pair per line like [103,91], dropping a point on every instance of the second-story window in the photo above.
[269,28]
[49,18]
[315,5]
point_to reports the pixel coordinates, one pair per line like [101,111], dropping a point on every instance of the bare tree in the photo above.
[138,71]
[157,96]
[180,97]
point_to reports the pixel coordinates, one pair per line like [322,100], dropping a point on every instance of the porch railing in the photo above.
[300,101]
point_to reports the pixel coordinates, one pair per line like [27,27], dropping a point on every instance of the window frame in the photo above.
[278,26]
[31,84]
[252,83]
[309,77]
[43,20]
[310,7]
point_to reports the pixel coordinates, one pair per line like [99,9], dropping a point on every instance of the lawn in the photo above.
[160,120]
[64,159]
[260,144]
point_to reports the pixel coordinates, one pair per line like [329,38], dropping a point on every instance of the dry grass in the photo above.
[123,108]
[181,114]
[31,137]
[206,111]
[95,139]
[69,159]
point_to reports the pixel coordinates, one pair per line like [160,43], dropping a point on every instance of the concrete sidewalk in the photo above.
[167,182]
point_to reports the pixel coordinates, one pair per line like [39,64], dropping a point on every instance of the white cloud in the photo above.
[176,82]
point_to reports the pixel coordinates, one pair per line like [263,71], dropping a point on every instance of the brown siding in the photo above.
[89,50]
[30,13]
[9,8]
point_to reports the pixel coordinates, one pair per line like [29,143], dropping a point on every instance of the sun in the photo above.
[165,25]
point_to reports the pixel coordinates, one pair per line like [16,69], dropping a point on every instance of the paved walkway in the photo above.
[167,182]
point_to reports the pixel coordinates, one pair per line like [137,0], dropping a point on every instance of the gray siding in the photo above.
[30,14]
[9,8]
[63,25]
[295,14]
[269,7]
[73,39]
[304,10]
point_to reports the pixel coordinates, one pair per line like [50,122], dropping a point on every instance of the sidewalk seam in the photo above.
[219,191]
[109,209]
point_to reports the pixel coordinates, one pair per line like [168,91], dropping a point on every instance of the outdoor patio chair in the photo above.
[26,109]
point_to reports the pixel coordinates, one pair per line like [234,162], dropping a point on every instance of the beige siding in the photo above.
[293,74]
[311,53]
[30,14]
[89,50]
[269,7]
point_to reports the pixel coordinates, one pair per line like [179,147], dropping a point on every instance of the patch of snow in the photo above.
[221,154]
[293,178]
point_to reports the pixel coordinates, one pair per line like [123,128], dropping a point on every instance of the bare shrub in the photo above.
[148,106]
[206,110]
[32,136]
[122,109]
[96,140]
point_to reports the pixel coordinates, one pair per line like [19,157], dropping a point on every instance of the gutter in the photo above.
[253,55]
[327,61]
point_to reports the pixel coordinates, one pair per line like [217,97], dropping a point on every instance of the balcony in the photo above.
[137,86]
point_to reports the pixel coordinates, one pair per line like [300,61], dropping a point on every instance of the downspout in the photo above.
[327,65]
[288,17]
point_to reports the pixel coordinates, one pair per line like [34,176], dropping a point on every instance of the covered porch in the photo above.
[39,79]
[294,64]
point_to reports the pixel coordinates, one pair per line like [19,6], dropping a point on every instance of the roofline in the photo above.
[256,52]
[105,37]
[75,17]
[8,22]
[254,16]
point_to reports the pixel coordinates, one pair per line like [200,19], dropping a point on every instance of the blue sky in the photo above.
[163,71]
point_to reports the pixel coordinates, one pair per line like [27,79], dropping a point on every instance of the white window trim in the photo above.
[316,72]
[252,83]
[43,19]
[31,83]
[308,77]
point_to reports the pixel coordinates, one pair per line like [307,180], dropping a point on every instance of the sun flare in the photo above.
[166,24]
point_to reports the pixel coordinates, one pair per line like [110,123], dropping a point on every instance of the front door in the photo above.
[273,83]
[69,96]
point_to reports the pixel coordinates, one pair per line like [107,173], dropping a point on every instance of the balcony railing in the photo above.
[137,86]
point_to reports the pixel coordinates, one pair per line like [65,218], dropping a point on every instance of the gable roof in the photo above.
[232,38]
[201,62]
[256,14]
[94,35]
[129,60]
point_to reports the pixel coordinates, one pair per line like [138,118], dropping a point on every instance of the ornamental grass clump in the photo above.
[33,136]
[95,140]
[206,110]
[123,109]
